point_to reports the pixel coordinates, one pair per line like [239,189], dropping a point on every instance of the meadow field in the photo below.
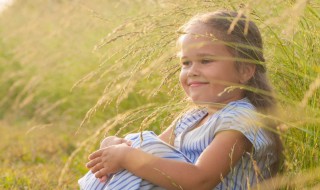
[73,71]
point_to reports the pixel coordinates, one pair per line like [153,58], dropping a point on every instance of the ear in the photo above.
[246,72]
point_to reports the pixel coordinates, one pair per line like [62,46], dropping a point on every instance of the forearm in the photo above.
[213,164]
[167,173]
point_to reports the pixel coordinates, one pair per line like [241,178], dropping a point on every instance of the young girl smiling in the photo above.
[226,142]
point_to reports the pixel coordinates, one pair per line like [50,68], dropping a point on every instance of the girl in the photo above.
[225,142]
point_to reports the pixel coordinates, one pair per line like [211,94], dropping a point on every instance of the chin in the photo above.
[206,100]
[202,101]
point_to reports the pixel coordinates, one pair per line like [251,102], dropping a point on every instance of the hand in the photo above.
[109,141]
[113,140]
[108,160]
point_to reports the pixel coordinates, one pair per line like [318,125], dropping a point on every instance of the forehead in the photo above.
[198,40]
[195,45]
[196,33]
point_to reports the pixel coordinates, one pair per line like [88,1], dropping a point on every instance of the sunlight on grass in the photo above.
[73,71]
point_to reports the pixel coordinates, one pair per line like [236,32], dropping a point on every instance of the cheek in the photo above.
[182,77]
[183,80]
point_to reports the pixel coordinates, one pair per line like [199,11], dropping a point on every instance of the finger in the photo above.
[101,173]
[103,179]
[97,167]
[128,142]
[93,162]
[95,154]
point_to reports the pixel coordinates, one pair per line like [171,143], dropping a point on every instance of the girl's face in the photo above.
[207,68]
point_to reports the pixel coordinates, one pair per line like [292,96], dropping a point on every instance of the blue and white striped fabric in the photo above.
[240,116]
[125,180]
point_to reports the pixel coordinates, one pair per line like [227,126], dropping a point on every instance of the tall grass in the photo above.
[73,71]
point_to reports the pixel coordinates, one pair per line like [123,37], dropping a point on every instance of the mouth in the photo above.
[197,83]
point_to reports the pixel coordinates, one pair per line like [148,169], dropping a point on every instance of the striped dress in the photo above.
[190,142]
[240,116]
[124,180]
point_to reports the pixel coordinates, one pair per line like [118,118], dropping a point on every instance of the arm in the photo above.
[217,159]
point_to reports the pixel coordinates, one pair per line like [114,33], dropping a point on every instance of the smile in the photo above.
[196,84]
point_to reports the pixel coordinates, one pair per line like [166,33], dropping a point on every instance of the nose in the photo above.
[193,70]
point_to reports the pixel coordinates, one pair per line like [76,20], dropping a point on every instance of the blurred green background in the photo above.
[73,71]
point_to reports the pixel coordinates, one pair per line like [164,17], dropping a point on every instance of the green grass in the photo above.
[72,71]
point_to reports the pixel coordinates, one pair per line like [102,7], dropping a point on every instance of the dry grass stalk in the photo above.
[312,88]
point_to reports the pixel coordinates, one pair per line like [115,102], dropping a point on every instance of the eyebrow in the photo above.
[198,55]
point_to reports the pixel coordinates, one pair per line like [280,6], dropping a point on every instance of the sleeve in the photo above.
[247,121]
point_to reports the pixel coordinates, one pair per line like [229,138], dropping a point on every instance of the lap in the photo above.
[147,141]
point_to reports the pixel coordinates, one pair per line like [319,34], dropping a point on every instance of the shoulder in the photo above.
[240,112]
[242,116]
[239,107]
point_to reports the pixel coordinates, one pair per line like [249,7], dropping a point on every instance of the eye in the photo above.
[206,61]
[185,63]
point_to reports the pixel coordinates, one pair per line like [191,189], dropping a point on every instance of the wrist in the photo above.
[135,159]
[127,156]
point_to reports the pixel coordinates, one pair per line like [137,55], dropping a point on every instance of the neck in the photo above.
[214,107]
[211,110]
